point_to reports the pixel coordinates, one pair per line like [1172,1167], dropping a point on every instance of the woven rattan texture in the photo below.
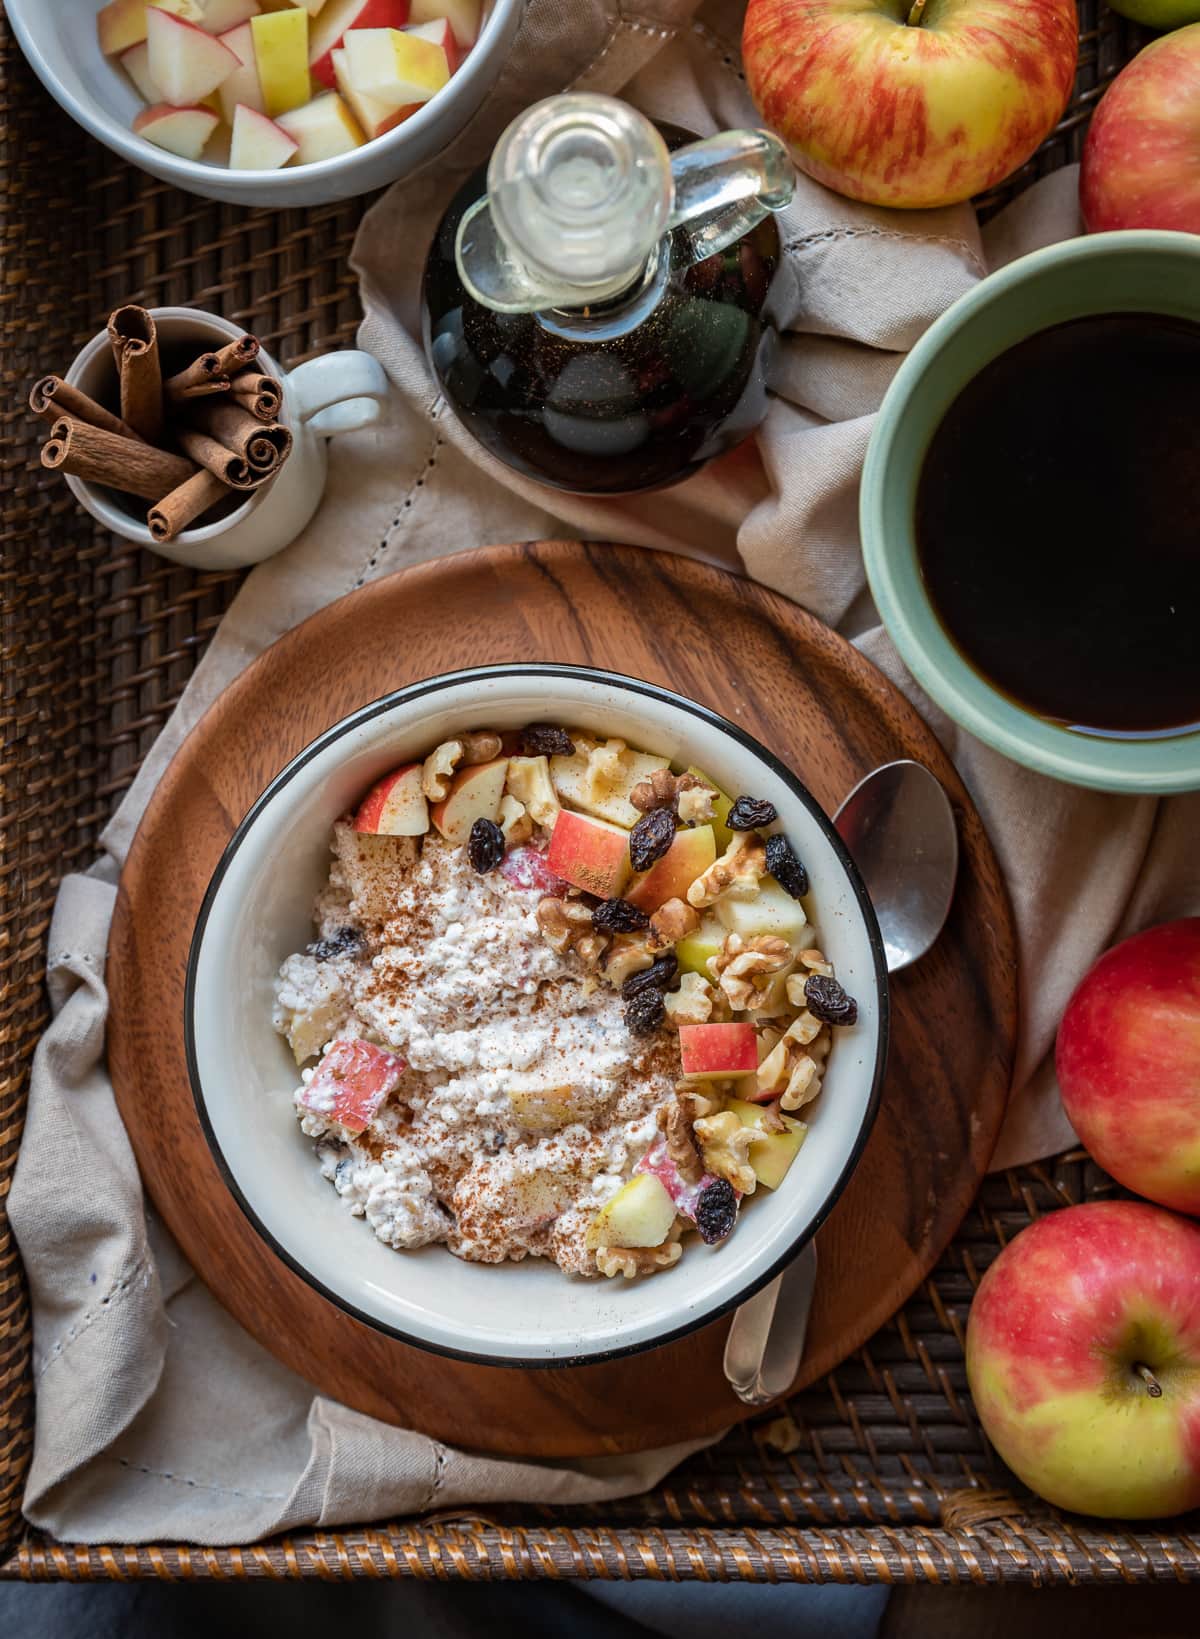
[879,1473]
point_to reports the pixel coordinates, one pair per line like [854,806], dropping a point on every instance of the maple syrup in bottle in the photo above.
[598,304]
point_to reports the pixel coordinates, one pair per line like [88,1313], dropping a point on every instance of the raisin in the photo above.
[651,837]
[619,916]
[645,1012]
[748,813]
[485,846]
[544,740]
[658,976]
[828,1002]
[716,1211]
[785,867]
[343,943]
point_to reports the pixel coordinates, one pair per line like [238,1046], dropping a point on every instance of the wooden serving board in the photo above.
[730,644]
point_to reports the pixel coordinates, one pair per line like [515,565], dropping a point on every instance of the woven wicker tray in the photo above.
[880,1473]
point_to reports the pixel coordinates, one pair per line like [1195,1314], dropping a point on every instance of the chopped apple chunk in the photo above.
[639,1214]
[771,1155]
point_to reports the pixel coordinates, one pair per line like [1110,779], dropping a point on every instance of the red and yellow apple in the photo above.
[350,1083]
[1141,160]
[1128,1062]
[589,853]
[182,131]
[186,64]
[329,28]
[719,1052]
[913,108]
[395,805]
[1083,1356]
[464,17]
[474,794]
[257,143]
[670,877]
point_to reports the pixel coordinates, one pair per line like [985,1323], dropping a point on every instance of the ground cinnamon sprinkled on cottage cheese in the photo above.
[525,1100]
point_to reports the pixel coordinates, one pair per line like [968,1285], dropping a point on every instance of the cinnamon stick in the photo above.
[232,469]
[264,446]
[202,377]
[134,338]
[236,355]
[178,509]
[52,398]
[261,395]
[101,457]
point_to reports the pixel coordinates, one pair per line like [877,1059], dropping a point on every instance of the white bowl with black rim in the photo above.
[258,909]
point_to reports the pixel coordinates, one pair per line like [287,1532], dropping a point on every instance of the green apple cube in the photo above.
[693,953]
[721,806]
[639,1214]
[771,1155]
[770,911]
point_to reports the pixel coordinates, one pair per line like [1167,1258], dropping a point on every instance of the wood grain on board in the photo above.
[733,646]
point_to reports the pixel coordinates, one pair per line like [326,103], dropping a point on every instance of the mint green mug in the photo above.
[1132,272]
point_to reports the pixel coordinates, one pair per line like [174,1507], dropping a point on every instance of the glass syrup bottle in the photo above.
[597,307]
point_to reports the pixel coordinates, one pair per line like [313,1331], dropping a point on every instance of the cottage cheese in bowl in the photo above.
[486,1006]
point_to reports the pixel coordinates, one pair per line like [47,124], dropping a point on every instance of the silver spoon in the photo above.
[900,830]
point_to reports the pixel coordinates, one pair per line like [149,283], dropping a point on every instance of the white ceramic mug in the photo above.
[338,392]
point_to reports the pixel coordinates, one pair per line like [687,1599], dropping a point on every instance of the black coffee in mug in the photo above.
[1058,523]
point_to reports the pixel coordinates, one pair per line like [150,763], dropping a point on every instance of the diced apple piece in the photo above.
[770,911]
[717,1052]
[325,36]
[527,868]
[670,877]
[182,131]
[136,63]
[395,68]
[439,33]
[322,129]
[243,85]
[575,780]
[474,794]
[696,951]
[258,144]
[350,1084]
[281,52]
[375,118]
[722,803]
[395,805]
[123,23]
[219,16]
[589,853]
[462,15]
[184,62]
[773,1153]
[639,1214]
[539,1108]
[312,7]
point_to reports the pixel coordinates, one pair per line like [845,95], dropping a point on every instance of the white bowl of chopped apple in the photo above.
[536,1015]
[258,102]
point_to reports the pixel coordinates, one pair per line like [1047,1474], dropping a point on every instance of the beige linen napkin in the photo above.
[157,1415]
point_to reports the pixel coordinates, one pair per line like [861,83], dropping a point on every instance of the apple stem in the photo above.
[914,17]
[1153,1386]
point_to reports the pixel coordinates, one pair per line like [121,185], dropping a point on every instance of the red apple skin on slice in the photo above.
[473,795]
[718,1051]
[182,131]
[440,33]
[526,867]
[184,62]
[350,1084]
[589,853]
[688,857]
[327,28]
[395,806]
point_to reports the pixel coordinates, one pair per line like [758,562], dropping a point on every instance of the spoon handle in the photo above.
[761,1361]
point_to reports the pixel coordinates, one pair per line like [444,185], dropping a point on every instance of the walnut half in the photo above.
[740,961]
[737,872]
[566,924]
[639,1260]
[725,1146]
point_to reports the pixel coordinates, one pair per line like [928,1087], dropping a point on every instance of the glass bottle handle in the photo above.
[725,185]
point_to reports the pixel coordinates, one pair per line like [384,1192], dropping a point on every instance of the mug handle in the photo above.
[338,392]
